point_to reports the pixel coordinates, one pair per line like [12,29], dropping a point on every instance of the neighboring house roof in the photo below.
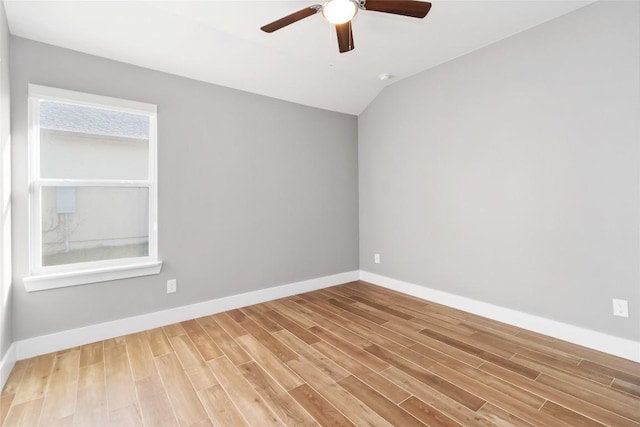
[92,121]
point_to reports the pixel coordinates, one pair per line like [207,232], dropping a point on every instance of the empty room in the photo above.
[345,213]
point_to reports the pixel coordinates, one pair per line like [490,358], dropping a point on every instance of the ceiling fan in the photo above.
[340,13]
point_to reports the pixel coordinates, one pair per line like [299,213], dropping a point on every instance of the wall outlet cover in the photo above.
[620,308]
[172,286]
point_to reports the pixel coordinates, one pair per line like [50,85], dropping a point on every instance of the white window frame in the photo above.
[50,277]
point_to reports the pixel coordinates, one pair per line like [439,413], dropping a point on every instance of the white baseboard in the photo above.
[71,338]
[6,364]
[617,346]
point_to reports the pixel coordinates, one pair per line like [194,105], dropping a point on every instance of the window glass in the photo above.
[80,142]
[81,224]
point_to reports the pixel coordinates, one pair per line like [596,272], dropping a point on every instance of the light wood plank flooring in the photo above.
[354,354]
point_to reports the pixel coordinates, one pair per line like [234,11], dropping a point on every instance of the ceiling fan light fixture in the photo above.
[339,11]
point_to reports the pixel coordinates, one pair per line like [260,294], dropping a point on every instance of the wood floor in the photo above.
[354,354]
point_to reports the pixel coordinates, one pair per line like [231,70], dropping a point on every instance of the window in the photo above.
[93,190]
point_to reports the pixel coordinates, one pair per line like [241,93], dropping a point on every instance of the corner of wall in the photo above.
[7,353]
[6,364]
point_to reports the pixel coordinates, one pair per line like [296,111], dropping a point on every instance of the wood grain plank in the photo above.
[314,306]
[354,409]
[326,294]
[154,402]
[483,354]
[261,319]
[120,387]
[329,321]
[377,293]
[596,356]
[351,365]
[232,327]
[626,387]
[186,352]
[290,309]
[596,390]
[420,358]
[292,327]
[527,412]
[568,416]
[455,328]
[202,377]
[609,403]
[220,408]
[427,413]
[227,344]
[246,399]
[280,350]
[91,403]
[140,356]
[322,362]
[366,328]
[434,398]
[499,385]
[182,396]
[432,347]
[561,398]
[530,349]
[385,387]
[381,405]
[501,417]
[325,413]
[15,377]
[456,393]
[357,353]
[91,353]
[174,330]
[158,342]
[25,414]
[205,345]
[609,372]
[129,416]
[5,404]
[364,313]
[60,400]
[384,308]
[113,342]
[237,315]
[280,402]
[35,380]
[269,362]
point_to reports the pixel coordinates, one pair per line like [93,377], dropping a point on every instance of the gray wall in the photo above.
[253,192]
[511,175]
[5,186]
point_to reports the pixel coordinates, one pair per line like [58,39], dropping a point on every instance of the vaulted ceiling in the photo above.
[220,41]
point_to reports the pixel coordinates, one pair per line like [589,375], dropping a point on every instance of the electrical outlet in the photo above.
[172,286]
[376,258]
[620,308]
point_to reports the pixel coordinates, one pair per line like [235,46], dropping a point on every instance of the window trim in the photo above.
[50,277]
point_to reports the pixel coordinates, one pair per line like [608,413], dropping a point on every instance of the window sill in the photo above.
[43,282]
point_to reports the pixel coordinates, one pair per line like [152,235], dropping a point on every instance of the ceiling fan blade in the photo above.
[345,37]
[415,9]
[290,19]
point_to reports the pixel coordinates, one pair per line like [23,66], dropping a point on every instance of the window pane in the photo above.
[81,224]
[78,142]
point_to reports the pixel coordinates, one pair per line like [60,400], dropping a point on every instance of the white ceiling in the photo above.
[220,41]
